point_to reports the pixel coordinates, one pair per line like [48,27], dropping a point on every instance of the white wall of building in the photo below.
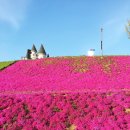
[40,56]
[91,52]
[33,55]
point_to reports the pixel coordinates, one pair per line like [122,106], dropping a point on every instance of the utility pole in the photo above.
[102,41]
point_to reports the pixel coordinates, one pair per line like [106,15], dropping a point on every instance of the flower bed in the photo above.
[66,93]
[66,111]
[67,73]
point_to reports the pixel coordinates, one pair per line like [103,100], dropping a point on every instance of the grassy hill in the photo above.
[5,64]
[66,93]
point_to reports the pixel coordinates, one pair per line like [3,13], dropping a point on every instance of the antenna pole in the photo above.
[102,41]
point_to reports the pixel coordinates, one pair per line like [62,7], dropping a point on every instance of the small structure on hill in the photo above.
[33,54]
[91,52]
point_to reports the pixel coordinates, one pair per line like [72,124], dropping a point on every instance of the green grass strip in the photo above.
[5,64]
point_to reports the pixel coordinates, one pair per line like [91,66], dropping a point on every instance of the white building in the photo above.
[91,52]
[33,54]
[41,53]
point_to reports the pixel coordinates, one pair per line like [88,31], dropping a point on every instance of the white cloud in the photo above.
[13,11]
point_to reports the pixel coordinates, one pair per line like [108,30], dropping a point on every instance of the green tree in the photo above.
[128,29]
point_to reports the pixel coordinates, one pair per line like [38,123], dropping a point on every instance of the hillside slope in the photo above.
[66,93]
[67,74]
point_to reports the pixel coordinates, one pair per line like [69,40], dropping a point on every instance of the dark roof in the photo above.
[28,54]
[42,50]
[34,48]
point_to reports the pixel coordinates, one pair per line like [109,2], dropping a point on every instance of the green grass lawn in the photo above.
[5,64]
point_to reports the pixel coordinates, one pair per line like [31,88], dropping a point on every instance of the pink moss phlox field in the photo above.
[66,93]
[67,73]
[58,111]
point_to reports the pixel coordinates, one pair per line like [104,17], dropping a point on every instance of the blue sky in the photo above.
[64,27]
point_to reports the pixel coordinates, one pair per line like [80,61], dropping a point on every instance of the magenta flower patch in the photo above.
[66,93]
